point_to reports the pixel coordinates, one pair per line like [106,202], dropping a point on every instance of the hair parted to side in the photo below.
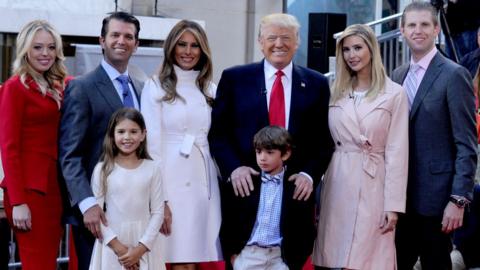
[273,138]
[123,17]
[110,149]
[345,76]
[167,76]
[51,80]
[281,20]
[420,6]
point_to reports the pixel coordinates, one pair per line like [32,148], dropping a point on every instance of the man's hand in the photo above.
[303,186]
[166,228]
[388,221]
[242,182]
[92,218]
[452,218]
[22,218]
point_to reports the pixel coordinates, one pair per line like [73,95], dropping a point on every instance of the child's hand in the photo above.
[133,256]
[118,247]
[134,267]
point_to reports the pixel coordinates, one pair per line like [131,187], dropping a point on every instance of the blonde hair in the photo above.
[345,76]
[50,80]
[281,20]
[167,76]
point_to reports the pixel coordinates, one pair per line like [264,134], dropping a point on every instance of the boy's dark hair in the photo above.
[123,17]
[273,138]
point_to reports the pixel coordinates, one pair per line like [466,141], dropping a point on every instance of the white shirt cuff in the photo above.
[86,203]
[307,175]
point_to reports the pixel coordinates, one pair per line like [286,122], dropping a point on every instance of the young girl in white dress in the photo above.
[128,185]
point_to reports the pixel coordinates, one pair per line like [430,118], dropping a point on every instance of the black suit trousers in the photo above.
[84,241]
[422,236]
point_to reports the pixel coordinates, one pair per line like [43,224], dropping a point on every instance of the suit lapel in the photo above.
[137,89]
[401,74]
[431,75]
[368,106]
[346,105]
[106,89]
[260,91]
[297,100]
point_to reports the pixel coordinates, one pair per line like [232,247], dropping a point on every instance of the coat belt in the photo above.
[371,155]
[200,142]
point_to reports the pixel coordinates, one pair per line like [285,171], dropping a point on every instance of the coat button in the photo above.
[339,143]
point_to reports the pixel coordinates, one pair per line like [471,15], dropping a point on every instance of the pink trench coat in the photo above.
[366,176]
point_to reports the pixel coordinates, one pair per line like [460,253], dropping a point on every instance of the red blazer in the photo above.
[28,138]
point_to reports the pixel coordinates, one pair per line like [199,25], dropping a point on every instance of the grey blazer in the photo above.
[443,137]
[89,102]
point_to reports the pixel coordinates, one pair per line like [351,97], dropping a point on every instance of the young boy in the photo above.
[260,216]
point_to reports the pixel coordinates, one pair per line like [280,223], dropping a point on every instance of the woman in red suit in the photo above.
[30,111]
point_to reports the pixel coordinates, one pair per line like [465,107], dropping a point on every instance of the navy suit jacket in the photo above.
[443,142]
[239,111]
[89,102]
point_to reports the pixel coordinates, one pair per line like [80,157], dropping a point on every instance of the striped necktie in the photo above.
[411,83]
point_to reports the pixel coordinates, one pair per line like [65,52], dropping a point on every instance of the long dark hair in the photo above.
[110,149]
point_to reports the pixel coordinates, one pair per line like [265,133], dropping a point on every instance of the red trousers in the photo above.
[38,247]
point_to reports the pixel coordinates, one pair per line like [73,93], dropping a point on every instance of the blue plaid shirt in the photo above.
[266,232]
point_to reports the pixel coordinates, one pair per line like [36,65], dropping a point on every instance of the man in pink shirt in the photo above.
[442,144]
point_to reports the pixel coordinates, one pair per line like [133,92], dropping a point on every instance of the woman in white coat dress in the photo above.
[176,105]
[365,184]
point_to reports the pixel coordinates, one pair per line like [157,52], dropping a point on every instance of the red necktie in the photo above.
[276,112]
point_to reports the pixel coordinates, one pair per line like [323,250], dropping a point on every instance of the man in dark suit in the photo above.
[249,98]
[442,144]
[89,102]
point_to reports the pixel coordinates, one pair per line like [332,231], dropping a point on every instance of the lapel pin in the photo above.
[302,84]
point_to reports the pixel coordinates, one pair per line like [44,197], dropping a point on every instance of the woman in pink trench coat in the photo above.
[365,185]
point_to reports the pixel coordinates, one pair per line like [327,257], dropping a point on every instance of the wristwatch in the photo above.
[460,202]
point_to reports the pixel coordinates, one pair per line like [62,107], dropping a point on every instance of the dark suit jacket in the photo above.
[89,102]
[443,154]
[239,111]
[471,61]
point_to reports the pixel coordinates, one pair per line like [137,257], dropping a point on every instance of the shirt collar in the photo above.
[425,61]
[278,176]
[111,71]
[271,70]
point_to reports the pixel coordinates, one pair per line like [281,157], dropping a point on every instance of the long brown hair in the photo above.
[50,80]
[110,149]
[167,76]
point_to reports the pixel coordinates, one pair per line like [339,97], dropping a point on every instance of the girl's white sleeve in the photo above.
[156,208]
[107,233]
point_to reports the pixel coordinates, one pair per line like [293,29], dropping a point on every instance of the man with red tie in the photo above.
[250,97]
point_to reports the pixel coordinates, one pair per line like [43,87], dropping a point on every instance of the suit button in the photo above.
[339,143]
[187,184]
